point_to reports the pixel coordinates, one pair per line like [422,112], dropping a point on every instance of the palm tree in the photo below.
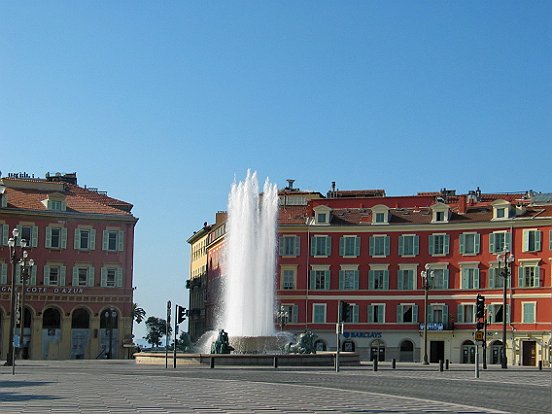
[138,314]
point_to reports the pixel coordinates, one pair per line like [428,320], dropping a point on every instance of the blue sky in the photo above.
[163,104]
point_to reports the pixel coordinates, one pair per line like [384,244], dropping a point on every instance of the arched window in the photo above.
[406,351]
[51,319]
[80,319]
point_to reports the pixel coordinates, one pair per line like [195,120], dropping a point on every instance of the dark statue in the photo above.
[304,345]
[222,344]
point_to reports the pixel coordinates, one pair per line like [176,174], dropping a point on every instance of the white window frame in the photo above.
[415,245]
[377,210]
[476,243]
[283,270]
[532,236]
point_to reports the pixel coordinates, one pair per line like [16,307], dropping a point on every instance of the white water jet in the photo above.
[250,259]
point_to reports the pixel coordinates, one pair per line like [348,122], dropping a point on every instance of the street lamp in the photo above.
[17,248]
[427,277]
[504,260]
[283,317]
[26,267]
[110,317]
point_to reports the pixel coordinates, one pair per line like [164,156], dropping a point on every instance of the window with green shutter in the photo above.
[349,246]
[405,279]
[3,273]
[319,313]
[528,312]
[470,278]
[348,279]
[499,242]
[5,236]
[320,246]
[376,313]
[379,246]
[531,240]
[319,280]
[378,279]
[409,245]
[289,245]
[529,276]
[439,244]
[470,243]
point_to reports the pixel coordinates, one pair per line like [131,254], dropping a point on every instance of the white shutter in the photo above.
[119,278]
[103,277]
[62,275]
[91,276]
[76,241]
[63,238]
[92,239]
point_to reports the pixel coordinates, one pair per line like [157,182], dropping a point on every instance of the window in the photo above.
[348,278]
[528,312]
[289,246]
[409,245]
[439,216]
[495,313]
[379,246]
[319,313]
[380,214]
[529,276]
[496,281]
[4,234]
[111,276]
[440,279]
[31,277]
[83,275]
[29,233]
[437,313]
[322,215]
[500,212]
[469,243]
[380,218]
[353,313]
[405,279]
[349,246]
[440,213]
[85,239]
[465,313]
[376,313]
[407,313]
[378,279]
[113,240]
[3,273]
[531,240]
[321,246]
[470,277]
[288,278]
[439,244]
[292,311]
[320,279]
[499,242]
[56,237]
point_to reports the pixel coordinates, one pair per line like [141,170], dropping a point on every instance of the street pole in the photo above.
[426,274]
[506,258]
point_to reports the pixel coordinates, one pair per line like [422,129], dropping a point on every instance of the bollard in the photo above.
[394,363]
[540,365]
[211,362]
[440,365]
[447,364]
[275,362]
[375,364]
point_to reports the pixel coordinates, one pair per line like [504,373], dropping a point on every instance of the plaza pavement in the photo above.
[122,387]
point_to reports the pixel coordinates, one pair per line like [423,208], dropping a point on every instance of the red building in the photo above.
[79,293]
[369,250]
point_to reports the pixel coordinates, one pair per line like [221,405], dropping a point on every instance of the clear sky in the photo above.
[164,103]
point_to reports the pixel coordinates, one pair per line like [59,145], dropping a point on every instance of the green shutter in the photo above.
[465,278]
[34,236]
[33,276]
[48,237]
[447,243]
[415,313]
[103,277]
[370,314]
[400,277]
[521,272]
[120,241]
[3,273]
[526,237]
[5,234]
[313,246]
[399,314]
[429,315]
[508,320]
[312,281]
[62,275]
[416,245]
[371,280]
[476,279]
[492,275]
[445,279]
[477,243]
[327,279]
[341,280]
[401,245]
[63,238]
[91,276]
[380,314]
[386,279]
[75,276]
[92,239]
[431,245]
[537,276]
[76,241]
[387,245]
[538,238]
[445,316]
[372,247]
[328,246]
[342,246]
[357,246]
[105,236]
[281,245]
[296,245]
[507,240]
[460,314]
[462,243]
[492,243]
[119,278]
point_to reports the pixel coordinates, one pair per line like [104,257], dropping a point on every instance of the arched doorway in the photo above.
[109,333]
[80,333]
[406,353]
[496,352]
[27,331]
[377,350]
[51,334]
[468,352]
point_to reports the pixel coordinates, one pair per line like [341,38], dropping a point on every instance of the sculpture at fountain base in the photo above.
[222,344]
[304,344]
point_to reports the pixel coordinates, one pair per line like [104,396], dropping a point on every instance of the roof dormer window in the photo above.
[501,210]
[55,202]
[322,215]
[440,213]
[380,214]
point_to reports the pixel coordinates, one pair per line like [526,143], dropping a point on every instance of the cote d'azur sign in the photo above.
[52,290]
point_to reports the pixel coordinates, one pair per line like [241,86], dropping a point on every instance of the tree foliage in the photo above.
[138,314]
[156,328]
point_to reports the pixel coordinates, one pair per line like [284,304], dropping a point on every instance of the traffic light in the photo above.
[480,307]
[345,311]
[181,314]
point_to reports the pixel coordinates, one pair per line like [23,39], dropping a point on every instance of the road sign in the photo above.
[478,335]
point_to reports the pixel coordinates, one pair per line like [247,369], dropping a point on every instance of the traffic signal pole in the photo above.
[175,334]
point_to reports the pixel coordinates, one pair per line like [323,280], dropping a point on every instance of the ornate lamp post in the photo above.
[17,248]
[504,260]
[427,278]
[110,317]
[26,267]
[283,317]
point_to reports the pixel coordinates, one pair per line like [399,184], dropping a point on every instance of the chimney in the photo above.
[462,204]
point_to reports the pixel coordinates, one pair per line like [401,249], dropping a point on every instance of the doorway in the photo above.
[468,352]
[436,351]
[377,350]
[529,353]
